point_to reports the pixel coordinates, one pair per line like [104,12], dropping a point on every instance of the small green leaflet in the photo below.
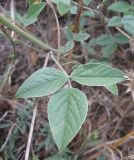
[73,9]
[101,158]
[87,2]
[120,38]
[63,6]
[128,23]
[108,50]
[41,83]
[67,110]
[115,21]
[89,14]
[120,6]
[104,40]
[80,37]
[107,40]
[113,89]
[88,48]
[33,12]
[97,74]
[69,46]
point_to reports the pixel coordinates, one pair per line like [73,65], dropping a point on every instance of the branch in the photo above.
[6,22]
[31,130]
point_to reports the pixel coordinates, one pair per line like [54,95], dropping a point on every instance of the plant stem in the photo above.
[31,129]
[124,33]
[58,28]
[75,29]
[58,64]
[5,21]
[6,77]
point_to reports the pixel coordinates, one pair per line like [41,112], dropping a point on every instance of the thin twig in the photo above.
[4,115]
[31,130]
[57,63]
[6,77]
[33,118]
[46,60]
[75,29]
[121,156]
[3,10]
[111,151]
[62,69]
[124,33]
[58,28]
[84,7]
[111,144]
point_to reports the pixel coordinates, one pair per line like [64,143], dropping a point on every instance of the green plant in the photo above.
[68,106]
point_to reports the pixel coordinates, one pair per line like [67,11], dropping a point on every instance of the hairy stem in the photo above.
[6,22]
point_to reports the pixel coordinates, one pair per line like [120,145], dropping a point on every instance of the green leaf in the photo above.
[109,49]
[80,37]
[129,13]
[101,158]
[67,110]
[87,2]
[63,6]
[73,9]
[69,45]
[4,125]
[113,89]
[41,83]
[104,40]
[96,74]
[120,38]
[67,2]
[120,6]
[128,23]
[33,12]
[88,48]
[89,14]
[19,18]
[115,22]
[69,34]
[66,48]
[91,50]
